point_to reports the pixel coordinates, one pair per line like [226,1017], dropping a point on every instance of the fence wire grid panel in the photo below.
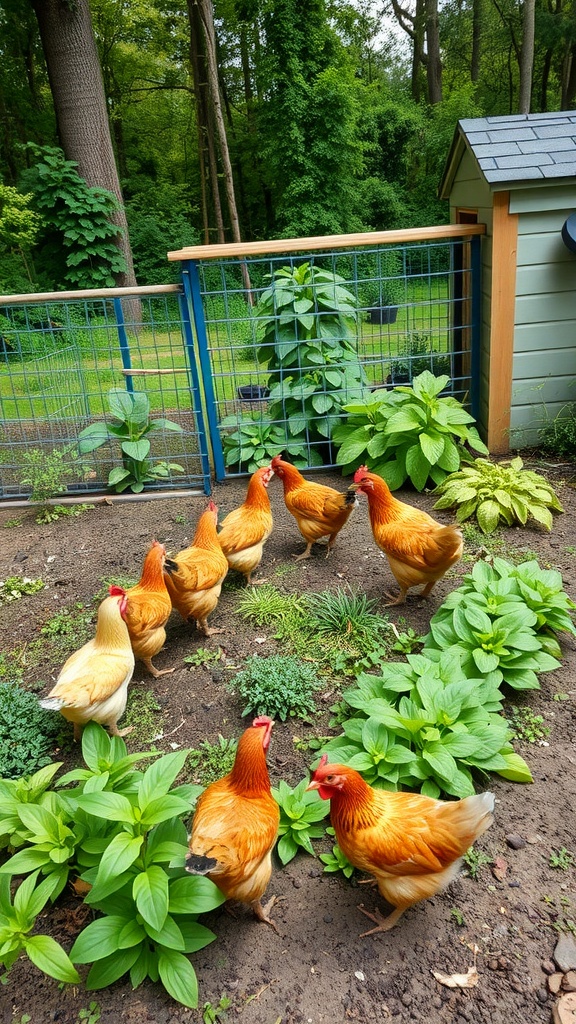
[59,361]
[292,339]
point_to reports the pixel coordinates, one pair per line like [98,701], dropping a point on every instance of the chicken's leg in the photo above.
[383,924]
[156,672]
[305,554]
[263,912]
[115,731]
[206,629]
[400,599]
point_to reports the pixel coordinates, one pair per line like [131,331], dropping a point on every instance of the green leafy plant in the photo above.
[347,616]
[28,735]
[299,812]
[561,859]
[458,916]
[409,432]
[414,357]
[280,686]
[337,861]
[497,623]
[46,474]
[498,492]
[526,725]
[267,606]
[121,829]
[212,760]
[250,440]
[90,1014]
[15,587]
[130,424]
[558,435]
[202,656]
[425,725]
[474,859]
[210,1013]
[17,920]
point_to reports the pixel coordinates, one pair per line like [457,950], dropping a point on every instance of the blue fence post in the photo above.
[195,389]
[191,282]
[476,331]
[124,343]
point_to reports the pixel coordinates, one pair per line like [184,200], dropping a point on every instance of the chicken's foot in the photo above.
[115,731]
[394,600]
[156,672]
[305,554]
[383,924]
[206,629]
[263,912]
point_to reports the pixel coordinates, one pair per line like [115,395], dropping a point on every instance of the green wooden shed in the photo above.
[517,175]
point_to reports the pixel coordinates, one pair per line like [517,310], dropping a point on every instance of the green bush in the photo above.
[279,686]
[299,813]
[28,734]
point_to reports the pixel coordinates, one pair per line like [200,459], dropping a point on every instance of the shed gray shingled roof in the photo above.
[521,147]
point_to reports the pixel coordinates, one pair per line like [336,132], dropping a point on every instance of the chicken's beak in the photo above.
[354,487]
[312,785]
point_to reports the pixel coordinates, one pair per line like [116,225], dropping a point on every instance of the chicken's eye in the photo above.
[329,778]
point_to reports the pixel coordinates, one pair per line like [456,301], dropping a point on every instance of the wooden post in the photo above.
[503,292]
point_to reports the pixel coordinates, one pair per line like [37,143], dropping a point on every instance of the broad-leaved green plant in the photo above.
[407,433]
[299,813]
[498,492]
[17,920]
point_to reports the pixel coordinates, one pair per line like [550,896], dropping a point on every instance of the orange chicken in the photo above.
[236,824]
[148,611]
[419,549]
[245,530]
[194,577]
[93,683]
[411,844]
[320,511]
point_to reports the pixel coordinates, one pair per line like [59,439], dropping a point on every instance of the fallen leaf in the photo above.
[499,868]
[80,887]
[260,639]
[468,980]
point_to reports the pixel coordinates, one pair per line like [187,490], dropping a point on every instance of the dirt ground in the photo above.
[318,971]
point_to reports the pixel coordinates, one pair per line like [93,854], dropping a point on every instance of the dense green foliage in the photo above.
[498,492]
[299,813]
[120,829]
[280,686]
[407,433]
[28,735]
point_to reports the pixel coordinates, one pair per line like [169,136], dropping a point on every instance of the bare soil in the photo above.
[318,971]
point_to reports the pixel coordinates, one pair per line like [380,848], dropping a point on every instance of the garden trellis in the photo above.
[276,336]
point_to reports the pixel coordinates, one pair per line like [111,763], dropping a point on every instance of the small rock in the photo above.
[360,975]
[542,995]
[548,967]
[533,839]
[503,963]
[437,1003]
[499,868]
[500,931]
[554,982]
[515,842]
[565,1010]
[514,884]
[569,982]
[565,952]
[406,999]
[217,676]
[493,965]
[328,918]
[297,883]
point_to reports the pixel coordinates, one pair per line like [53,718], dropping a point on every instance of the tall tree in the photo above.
[526,56]
[80,104]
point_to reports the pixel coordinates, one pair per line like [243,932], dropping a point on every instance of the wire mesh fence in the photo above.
[62,361]
[313,332]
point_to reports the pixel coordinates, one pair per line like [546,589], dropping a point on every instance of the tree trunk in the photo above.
[526,56]
[433,61]
[476,40]
[418,49]
[80,104]
[204,121]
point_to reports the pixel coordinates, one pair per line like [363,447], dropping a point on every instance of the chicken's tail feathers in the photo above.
[479,810]
[196,864]
[170,566]
[51,703]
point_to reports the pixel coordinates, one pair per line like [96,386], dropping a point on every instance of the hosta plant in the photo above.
[498,492]
[250,441]
[407,433]
[489,624]
[426,725]
[299,813]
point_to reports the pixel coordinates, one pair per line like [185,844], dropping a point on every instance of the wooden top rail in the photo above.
[92,293]
[364,239]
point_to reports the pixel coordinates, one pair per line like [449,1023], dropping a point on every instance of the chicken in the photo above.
[245,530]
[418,548]
[93,683]
[411,844]
[194,577]
[148,610]
[320,511]
[236,824]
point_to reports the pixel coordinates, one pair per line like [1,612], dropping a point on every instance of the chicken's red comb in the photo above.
[262,720]
[115,591]
[360,472]
[212,506]
[322,762]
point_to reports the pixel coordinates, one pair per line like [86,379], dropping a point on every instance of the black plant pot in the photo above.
[383,314]
[253,393]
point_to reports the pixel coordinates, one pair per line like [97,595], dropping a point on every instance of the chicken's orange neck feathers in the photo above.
[353,805]
[250,772]
[257,495]
[383,507]
[152,577]
[206,535]
[291,478]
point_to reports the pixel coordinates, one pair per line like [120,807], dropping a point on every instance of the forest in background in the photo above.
[132,128]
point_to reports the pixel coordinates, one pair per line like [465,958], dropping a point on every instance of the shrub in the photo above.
[498,492]
[28,734]
[558,436]
[279,686]
[409,432]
